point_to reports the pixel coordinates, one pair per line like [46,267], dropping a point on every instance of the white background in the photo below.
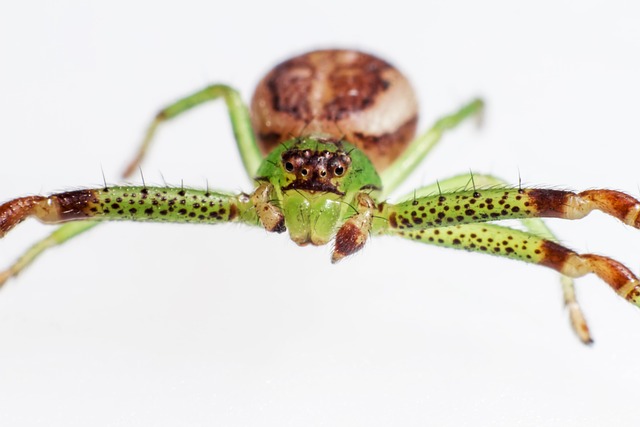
[194,325]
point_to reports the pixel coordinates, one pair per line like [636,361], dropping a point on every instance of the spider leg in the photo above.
[240,121]
[58,237]
[494,204]
[417,150]
[524,246]
[131,203]
[86,208]
[245,139]
[533,225]
[430,213]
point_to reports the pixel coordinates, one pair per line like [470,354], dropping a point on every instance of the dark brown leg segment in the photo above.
[568,262]
[58,208]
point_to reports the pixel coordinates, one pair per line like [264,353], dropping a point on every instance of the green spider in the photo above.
[329,137]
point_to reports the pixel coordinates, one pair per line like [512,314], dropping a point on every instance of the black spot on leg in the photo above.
[393,221]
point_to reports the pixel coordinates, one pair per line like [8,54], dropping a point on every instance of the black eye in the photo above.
[304,172]
[288,166]
[339,171]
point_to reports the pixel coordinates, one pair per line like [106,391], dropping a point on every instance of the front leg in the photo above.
[465,207]
[82,210]
[153,204]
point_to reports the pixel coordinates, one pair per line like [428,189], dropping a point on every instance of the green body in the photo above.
[315,216]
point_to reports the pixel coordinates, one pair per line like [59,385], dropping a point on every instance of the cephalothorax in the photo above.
[330,134]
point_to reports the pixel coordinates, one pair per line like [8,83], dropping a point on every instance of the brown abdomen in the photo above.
[340,93]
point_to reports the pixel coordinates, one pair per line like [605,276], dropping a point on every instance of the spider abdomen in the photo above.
[344,94]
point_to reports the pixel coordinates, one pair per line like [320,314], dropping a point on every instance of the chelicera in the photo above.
[328,137]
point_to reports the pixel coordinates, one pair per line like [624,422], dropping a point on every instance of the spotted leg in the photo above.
[426,216]
[495,204]
[154,204]
[532,225]
[245,139]
[516,244]
[151,204]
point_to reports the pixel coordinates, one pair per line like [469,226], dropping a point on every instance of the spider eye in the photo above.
[304,172]
[288,166]
[339,171]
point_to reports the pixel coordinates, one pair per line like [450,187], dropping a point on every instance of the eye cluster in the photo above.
[316,165]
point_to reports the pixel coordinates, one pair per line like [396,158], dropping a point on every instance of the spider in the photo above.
[353,117]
